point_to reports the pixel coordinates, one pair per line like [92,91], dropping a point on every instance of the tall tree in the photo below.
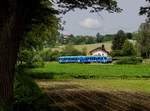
[99,38]
[18,16]
[118,40]
[129,35]
[143,41]
[144,38]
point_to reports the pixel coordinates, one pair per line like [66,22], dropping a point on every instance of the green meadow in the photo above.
[54,70]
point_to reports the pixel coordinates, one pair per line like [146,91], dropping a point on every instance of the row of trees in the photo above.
[76,40]
[71,39]
[121,45]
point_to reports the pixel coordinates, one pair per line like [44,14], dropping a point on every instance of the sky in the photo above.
[82,22]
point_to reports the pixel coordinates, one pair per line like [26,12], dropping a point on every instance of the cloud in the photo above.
[90,23]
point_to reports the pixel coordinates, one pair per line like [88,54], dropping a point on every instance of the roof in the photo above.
[78,56]
[98,49]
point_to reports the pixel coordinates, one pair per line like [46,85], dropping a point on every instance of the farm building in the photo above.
[99,52]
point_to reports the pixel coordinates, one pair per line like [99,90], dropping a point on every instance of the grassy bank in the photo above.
[90,71]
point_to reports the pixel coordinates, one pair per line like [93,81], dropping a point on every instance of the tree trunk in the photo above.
[9,44]
[8,55]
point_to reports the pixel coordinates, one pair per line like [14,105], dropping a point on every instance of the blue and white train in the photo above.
[84,59]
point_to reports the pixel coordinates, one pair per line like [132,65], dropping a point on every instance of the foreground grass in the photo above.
[98,95]
[90,71]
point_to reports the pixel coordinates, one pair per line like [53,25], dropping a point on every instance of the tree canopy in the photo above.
[96,5]
[118,40]
[145,10]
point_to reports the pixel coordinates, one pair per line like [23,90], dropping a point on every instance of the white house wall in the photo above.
[99,53]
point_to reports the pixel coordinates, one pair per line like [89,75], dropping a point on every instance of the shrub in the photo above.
[54,55]
[116,53]
[50,55]
[26,56]
[28,96]
[129,60]
[69,50]
[45,55]
[128,49]
[30,59]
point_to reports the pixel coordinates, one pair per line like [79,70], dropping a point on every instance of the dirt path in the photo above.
[67,96]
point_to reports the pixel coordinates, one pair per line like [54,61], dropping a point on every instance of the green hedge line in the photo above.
[129,60]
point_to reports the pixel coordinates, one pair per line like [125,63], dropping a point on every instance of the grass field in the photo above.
[55,70]
[95,87]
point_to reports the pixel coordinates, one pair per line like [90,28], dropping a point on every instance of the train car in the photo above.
[84,59]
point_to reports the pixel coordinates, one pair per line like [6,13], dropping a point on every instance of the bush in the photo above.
[26,56]
[129,60]
[45,55]
[69,50]
[28,96]
[30,59]
[50,55]
[116,53]
[128,49]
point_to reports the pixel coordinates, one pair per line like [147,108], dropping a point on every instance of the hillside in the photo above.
[89,47]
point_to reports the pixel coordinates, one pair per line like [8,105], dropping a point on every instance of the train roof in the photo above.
[78,56]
